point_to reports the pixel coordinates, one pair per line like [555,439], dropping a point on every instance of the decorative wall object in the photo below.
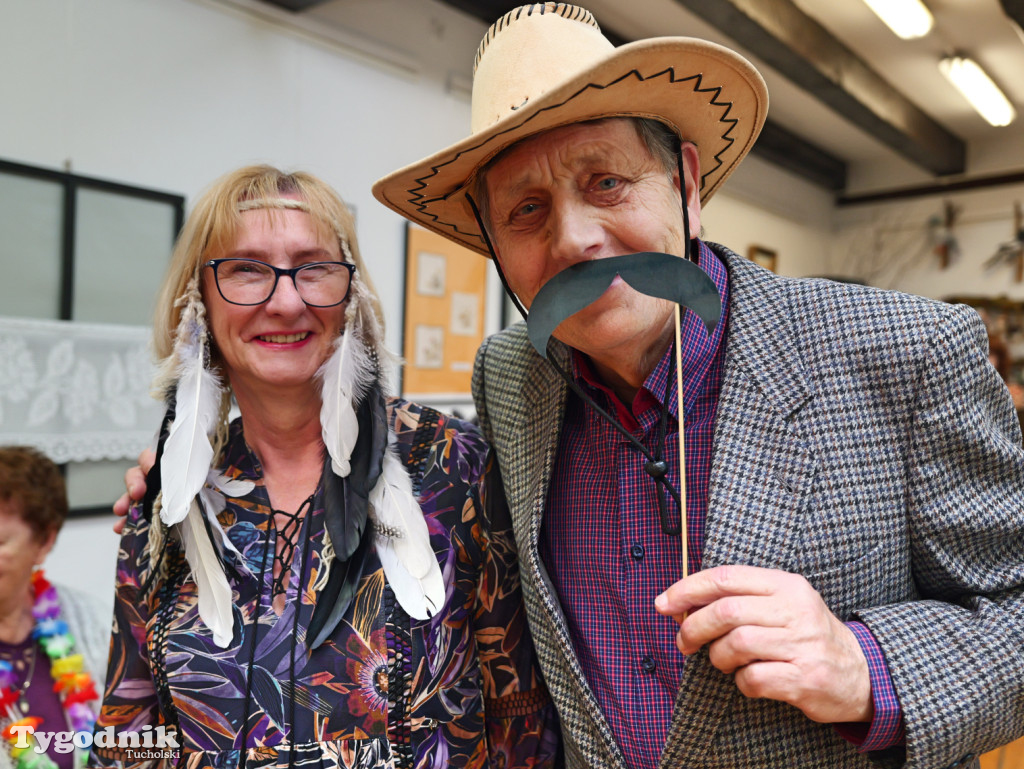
[765,257]
[900,245]
[443,323]
[943,236]
[1012,251]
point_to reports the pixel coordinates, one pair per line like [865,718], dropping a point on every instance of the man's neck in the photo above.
[625,381]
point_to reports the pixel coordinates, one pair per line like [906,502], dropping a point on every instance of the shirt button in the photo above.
[649,664]
[637,551]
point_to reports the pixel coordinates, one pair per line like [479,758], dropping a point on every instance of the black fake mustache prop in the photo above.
[652,273]
[655,274]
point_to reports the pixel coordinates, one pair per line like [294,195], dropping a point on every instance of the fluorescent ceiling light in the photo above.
[978,88]
[907,18]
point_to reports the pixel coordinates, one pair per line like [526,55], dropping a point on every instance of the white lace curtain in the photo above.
[78,392]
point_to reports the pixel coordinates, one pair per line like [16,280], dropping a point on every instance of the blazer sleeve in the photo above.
[479,388]
[956,652]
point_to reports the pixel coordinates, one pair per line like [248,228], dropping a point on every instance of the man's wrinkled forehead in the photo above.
[572,146]
[526,142]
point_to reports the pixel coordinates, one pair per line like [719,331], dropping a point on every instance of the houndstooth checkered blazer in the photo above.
[863,441]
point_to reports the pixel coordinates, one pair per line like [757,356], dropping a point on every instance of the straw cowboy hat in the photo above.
[546,65]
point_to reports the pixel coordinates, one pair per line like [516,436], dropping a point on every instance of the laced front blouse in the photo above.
[461,689]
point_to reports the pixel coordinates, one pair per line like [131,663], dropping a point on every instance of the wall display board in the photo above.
[443,322]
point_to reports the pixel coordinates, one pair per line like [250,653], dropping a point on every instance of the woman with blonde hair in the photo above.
[315,583]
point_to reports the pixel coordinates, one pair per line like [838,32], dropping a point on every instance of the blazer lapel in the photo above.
[529,476]
[762,471]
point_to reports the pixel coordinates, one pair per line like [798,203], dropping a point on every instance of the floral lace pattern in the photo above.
[77,392]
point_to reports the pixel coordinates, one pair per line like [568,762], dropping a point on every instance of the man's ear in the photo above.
[691,167]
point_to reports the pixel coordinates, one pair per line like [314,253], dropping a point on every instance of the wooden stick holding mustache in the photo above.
[684,531]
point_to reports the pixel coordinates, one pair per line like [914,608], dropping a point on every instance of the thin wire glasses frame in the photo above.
[307,278]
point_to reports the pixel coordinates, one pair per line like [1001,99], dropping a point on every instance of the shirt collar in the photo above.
[698,351]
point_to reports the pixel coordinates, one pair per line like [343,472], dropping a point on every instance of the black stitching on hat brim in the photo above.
[472,239]
[421,204]
[576,13]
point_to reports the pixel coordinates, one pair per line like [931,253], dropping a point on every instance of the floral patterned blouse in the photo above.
[461,689]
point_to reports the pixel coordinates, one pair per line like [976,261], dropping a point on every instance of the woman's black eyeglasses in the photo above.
[250,281]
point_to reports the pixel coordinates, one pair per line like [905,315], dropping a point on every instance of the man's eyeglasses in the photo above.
[250,281]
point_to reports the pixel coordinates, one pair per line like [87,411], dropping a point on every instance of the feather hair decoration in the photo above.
[353,420]
[185,463]
[364,314]
[403,542]
[212,497]
[215,598]
[344,378]
[346,511]
[349,381]
[333,601]
[153,480]
[188,453]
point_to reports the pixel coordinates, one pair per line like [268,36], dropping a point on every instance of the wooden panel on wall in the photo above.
[1007,757]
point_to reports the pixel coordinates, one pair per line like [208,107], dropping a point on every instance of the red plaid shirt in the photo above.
[608,558]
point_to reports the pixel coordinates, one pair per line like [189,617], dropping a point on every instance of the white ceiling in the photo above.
[978,28]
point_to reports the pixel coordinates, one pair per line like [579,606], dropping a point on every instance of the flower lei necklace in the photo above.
[70,680]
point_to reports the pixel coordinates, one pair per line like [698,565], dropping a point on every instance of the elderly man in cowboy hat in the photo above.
[853,464]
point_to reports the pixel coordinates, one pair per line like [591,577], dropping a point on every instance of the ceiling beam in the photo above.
[795,45]
[938,188]
[1015,10]
[776,144]
[295,5]
[794,153]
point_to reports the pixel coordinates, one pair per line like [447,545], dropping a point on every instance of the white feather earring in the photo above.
[188,452]
[186,461]
[215,597]
[345,379]
[212,497]
[401,536]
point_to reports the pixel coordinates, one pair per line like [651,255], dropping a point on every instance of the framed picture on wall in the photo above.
[443,323]
[765,257]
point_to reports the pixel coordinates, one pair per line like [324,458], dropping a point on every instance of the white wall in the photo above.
[169,94]
[763,205]
[85,557]
[893,244]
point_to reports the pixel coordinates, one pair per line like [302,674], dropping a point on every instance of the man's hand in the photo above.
[135,485]
[775,633]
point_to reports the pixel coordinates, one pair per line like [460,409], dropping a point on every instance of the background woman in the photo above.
[320,585]
[53,642]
